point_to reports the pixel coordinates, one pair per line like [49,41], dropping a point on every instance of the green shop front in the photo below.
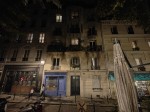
[141,79]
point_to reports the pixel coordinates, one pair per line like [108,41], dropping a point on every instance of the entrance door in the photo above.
[55,85]
[75,85]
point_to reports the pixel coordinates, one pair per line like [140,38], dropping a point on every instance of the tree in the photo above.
[13,12]
[131,10]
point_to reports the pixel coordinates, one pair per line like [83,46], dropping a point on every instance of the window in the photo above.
[58,18]
[41,38]
[38,55]
[92,44]
[74,28]
[94,64]
[74,15]
[14,56]
[43,23]
[30,38]
[96,83]
[26,55]
[149,43]
[114,30]
[18,38]
[134,46]
[56,61]
[2,54]
[92,31]
[74,41]
[130,30]
[33,23]
[57,32]
[139,62]
[75,62]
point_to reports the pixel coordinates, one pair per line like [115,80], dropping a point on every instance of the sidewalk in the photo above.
[63,104]
[67,100]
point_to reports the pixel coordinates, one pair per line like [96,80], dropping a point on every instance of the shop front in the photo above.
[55,83]
[20,79]
[142,82]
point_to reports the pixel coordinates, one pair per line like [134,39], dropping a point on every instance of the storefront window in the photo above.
[23,78]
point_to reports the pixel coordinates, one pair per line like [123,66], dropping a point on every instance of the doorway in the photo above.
[75,85]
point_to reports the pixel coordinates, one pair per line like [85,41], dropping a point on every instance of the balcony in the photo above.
[136,49]
[75,48]
[55,67]
[13,59]
[95,67]
[37,59]
[56,46]
[94,48]
[24,59]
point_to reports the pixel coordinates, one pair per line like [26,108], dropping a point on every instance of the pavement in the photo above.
[61,104]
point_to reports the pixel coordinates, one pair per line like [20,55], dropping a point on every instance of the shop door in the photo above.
[55,86]
[75,85]
[9,83]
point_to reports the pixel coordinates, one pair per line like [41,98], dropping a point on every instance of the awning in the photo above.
[138,76]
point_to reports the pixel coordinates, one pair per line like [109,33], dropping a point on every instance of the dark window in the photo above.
[57,32]
[130,30]
[114,30]
[2,54]
[92,44]
[43,23]
[75,28]
[26,55]
[33,23]
[38,55]
[75,62]
[74,15]
[94,63]
[56,62]
[92,31]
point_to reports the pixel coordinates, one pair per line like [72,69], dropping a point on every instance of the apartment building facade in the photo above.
[71,52]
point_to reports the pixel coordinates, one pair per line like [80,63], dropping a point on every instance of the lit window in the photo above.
[58,18]
[30,38]
[41,38]
[74,41]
